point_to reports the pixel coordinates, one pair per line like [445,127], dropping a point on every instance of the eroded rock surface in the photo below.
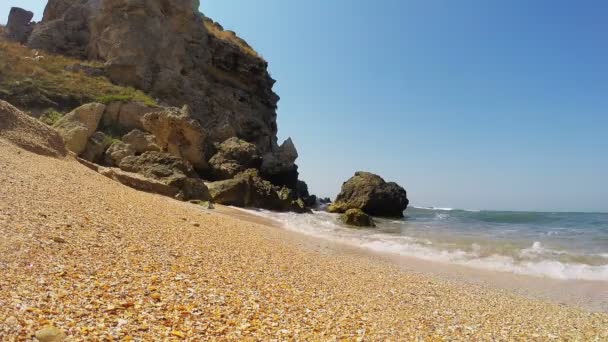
[19,25]
[79,125]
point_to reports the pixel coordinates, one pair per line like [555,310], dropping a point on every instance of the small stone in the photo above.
[196,224]
[50,334]
[59,239]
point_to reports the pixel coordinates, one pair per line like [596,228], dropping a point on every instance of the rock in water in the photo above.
[79,125]
[19,26]
[357,218]
[50,334]
[371,194]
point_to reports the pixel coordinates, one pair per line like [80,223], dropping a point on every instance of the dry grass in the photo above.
[31,79]
[218,31]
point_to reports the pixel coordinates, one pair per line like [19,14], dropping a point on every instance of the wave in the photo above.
[536,260]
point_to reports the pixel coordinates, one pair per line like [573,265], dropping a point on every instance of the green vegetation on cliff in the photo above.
[35,81]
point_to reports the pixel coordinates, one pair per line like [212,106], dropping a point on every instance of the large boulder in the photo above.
[371,194]
[248,189]
[139,182]
[357,218]
[170,170]
[179,134]
[19,25]
[234,156]
[28,133]
[79,125]
[122,117]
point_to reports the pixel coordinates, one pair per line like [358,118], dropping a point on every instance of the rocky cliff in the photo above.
[175,54]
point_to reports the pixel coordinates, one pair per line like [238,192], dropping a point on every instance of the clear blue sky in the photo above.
[468,104]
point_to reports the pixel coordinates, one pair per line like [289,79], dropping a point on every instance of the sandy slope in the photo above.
[97,259]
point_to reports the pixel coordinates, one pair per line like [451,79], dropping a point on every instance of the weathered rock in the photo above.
[370,193]
[64,28]
[123,117]
[19,25]
[170,170]
[279,166]
[179,134]
[169,50]
[357,218]
[117,152]
[139,182]
[79,125]
[50,334]
[96,146]
[230,192]
[28,133]
[141,141]
[86,69]
[248,189]
[234,156]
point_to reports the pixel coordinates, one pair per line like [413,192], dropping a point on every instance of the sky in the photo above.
[469,104]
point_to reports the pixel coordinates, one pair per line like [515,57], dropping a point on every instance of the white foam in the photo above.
[325,225]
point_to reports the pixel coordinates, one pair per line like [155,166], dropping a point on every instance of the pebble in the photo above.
[50,334]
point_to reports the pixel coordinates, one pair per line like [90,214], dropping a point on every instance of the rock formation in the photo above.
[371,194]
[217,112]
[19,25]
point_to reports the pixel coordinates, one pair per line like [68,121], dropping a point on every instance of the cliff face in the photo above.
[172,52]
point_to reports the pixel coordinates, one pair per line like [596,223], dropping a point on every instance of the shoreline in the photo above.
[101,261]
[583,294]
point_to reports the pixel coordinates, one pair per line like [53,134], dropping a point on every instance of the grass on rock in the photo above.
[30,79]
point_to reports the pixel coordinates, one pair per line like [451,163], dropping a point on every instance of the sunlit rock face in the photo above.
[171,51]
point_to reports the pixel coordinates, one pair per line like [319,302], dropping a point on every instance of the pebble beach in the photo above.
[85,258]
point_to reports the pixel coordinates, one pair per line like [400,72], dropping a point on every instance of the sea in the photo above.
[556,245]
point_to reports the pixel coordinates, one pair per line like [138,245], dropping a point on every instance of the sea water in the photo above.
[544,244]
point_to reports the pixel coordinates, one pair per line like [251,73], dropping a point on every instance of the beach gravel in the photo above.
[84,256]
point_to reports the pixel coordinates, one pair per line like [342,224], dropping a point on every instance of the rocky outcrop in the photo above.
[28,133]
[279,166]
[179,134]
[141,141]
[79,125]
[233,157]
[248,189]
[139,182]
[169,50]
[357,218]
[371,194]
[19,25]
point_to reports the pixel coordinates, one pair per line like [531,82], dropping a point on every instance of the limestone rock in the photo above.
[79,125]
[357,218]
[279,166]
[117,152]
[123,117]
[371,194]
[234,156]
[50,334]
[96,146]
[230,192]
[139,182]
[179,134]
[19,25]
[28,133]
[141,141]
[170,170]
